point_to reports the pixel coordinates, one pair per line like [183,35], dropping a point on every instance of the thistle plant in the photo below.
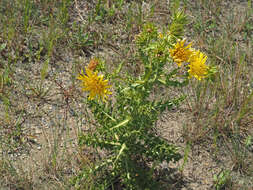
[127,117]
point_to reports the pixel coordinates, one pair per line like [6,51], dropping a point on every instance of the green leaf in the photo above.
[123,147]
[121,123]
[3,46]
[116,72]
[248,141]
[44,70]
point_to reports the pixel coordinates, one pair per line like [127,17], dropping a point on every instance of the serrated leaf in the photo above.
[3,46]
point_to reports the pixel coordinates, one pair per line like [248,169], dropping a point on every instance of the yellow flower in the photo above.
[160,35]
[180,53]
[94,84]
[197,67]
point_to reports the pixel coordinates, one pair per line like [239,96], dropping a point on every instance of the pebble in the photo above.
[38,131]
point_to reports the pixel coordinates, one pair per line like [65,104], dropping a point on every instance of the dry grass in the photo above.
[43,46]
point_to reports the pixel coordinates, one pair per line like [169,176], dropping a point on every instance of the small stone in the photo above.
[38,131]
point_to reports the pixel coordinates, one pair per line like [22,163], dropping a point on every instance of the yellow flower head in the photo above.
[94,84]
[160,35]
[197,67]
[180,53]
